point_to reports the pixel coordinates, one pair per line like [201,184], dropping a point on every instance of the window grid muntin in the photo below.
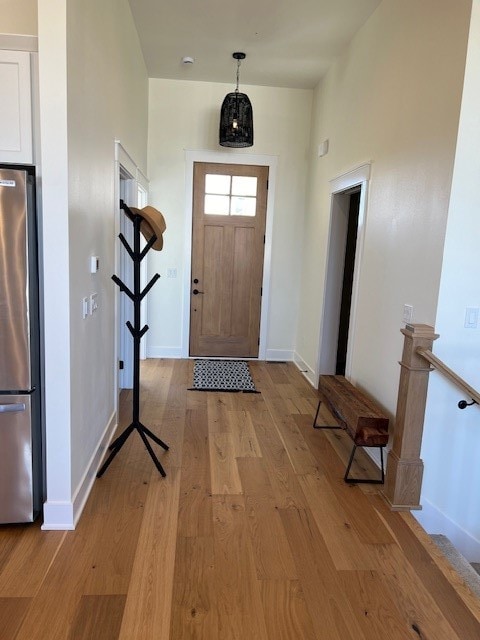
[239,191]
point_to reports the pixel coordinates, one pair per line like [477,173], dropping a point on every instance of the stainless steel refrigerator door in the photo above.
[14,296]
[16,480]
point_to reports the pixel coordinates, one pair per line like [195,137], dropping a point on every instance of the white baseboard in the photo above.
[274,355]
[435,521]
[374,454]
[58,516]
[85,486]
[164,352]
[279,355]
[304,368]
[65,515]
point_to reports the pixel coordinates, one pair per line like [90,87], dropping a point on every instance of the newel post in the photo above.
[403,481]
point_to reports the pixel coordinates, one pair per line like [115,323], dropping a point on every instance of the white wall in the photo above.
[94,90]
[451,443]
[18,16]
[184,116]
[107,100]
[392,99]
[54,160]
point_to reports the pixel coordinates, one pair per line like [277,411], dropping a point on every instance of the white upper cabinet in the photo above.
[15,107]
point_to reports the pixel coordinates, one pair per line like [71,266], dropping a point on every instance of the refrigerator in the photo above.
[20,392]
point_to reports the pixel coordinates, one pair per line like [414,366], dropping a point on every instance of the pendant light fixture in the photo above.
[236,116]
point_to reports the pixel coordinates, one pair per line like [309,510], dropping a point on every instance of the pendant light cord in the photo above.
[238,74]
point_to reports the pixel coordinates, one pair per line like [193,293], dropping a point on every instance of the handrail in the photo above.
[451,375]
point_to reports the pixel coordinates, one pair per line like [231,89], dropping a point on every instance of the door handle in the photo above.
[196,292]
[12,408]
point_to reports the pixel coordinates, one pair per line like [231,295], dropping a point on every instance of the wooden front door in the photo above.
[229,209]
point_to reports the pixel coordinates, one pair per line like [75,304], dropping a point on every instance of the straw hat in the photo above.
[153,223]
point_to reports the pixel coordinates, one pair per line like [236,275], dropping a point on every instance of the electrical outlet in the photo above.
[407,313]
[171,273]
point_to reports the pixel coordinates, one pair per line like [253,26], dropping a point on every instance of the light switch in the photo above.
[323,149]
[471,318]
[84,308]
[93,303]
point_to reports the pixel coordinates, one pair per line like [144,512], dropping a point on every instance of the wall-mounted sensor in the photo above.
[188,60]
[94,264]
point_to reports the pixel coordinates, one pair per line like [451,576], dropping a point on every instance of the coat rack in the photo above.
[137,255]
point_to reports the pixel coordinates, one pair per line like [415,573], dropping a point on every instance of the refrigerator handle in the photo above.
[12,407]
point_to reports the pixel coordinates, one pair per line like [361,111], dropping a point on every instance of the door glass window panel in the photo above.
[217,205]
[243,206]
[230,195]
[217,184]
[244,186]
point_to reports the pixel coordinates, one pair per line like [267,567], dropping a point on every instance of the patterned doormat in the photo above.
[222,375]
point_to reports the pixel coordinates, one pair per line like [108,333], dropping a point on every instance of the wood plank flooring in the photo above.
[253,534]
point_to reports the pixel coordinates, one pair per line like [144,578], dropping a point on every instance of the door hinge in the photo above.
[261,291]
[120,364]
[263,238]
[258,342]
[267,185]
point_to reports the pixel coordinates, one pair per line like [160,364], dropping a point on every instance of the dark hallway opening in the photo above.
[349,263]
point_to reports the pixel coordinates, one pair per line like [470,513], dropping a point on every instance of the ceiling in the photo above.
[288,43]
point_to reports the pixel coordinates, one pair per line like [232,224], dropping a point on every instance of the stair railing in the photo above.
[453,377]
[403,481]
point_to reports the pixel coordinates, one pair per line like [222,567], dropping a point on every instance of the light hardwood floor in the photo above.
[253,535]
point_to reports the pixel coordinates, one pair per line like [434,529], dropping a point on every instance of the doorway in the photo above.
[347,284]
[125,353]
[131,186]
[228,238]
[344,257]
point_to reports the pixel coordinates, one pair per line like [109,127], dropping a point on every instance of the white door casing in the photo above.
[328,335]
[132,186]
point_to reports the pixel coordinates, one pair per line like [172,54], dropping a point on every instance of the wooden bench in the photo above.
[358,415]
